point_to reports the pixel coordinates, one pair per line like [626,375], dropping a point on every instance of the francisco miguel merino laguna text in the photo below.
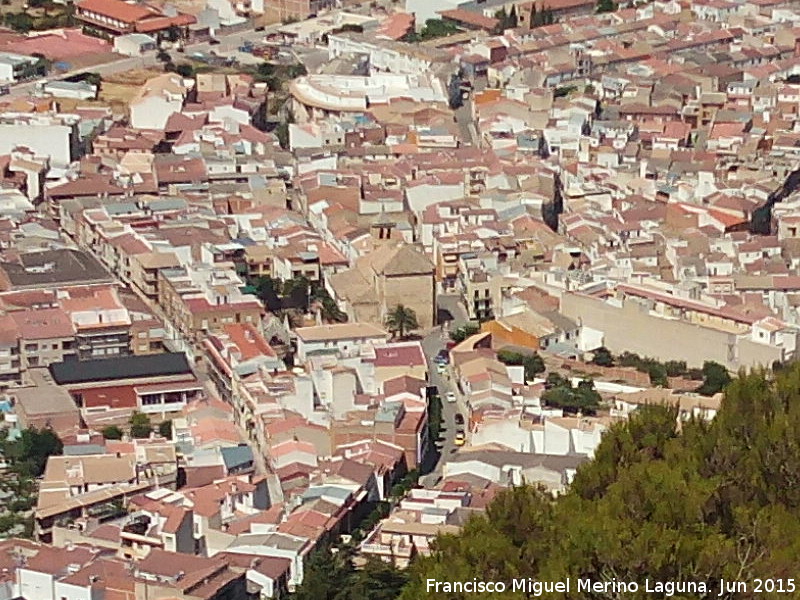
[540,588]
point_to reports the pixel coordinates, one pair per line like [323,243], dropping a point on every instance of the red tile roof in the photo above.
[116,9]
[470,18]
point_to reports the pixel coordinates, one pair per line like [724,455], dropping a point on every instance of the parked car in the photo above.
[441,368]
[459,419]
[451,397]
[443,357]
[460,439]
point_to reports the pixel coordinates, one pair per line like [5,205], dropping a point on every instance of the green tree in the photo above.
[582,398]
[21,22]
[112,432]
[506,19]
[376,580]
[433,29]
[533,363]
[185,70]
[434,418]
[715,378]
[401,320]
[141,427]
[165,429]
[28,454]
[326,574]
[702,501]
[459,334]
[658,374]
[603,357]
[605,6]
[675,368]
[405,485]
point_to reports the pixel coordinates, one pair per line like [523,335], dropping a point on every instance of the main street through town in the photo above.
[453,315]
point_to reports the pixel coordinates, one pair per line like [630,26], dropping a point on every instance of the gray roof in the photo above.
[237,456]
[525,460]
[281,541]
[122,367]
[84,450]
[326,490]
[167,204]
[49,268]
[44,399]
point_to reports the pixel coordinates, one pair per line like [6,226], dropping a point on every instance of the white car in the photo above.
[441,368]
[451,397]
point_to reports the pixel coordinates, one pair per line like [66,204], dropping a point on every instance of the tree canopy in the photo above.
[461,333]
[330,575]
[141,427]
[401,320]
[28,454]
[533,363]
[696,502]
[582,398]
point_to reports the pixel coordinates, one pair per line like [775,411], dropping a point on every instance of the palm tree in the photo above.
[401,320]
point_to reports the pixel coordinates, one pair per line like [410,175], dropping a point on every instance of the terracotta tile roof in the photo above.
[116,9]
[470,18]
[43,324]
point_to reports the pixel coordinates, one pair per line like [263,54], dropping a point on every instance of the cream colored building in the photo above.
[395,273]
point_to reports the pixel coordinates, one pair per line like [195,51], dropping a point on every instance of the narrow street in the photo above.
[455,315]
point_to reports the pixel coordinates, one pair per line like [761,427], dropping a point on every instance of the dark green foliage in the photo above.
[542,17]
[506,19]
[185,70]
[330,575]
[298,293]
[582,398]
[381,511]
[715,378]
[401,320]
[459,334]
[434,418]
[434,28]
[602,357]
[657,371]
[27,455]
[604,6]
[165,429]
[141,427]
[533,363]
[21,22]
[566,90]
[675,368]
[406,484]
[112,432]
[699,502]
[275,76]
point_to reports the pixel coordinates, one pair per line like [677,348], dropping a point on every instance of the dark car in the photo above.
[459,419]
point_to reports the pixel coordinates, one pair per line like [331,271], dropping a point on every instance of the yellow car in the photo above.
[461,439]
